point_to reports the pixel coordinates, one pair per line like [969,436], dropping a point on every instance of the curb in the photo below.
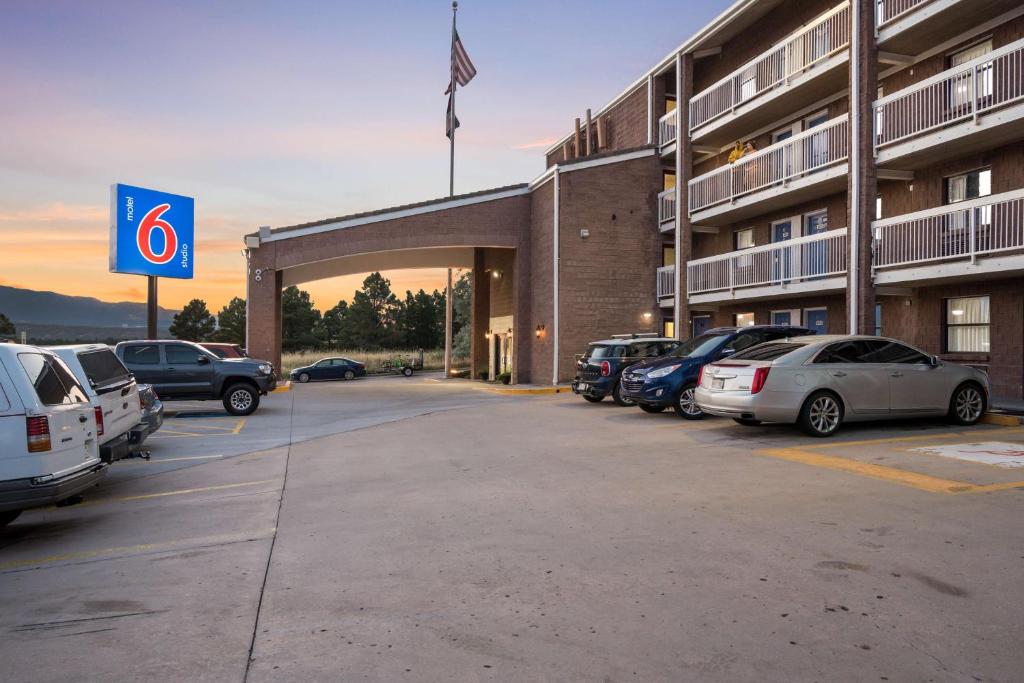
[529,392]
[281,388]
[1002,419]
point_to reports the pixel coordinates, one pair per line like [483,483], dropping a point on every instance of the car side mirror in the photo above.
[727,352]
[203,360]
[934,361]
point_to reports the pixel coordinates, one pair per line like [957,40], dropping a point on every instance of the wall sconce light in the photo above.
[584,233]
[510,331]
[488,334]
[540,331]
[647,316]
[496,274]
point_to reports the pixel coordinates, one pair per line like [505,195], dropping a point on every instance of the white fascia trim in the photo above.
[392,215]
[590,163]
[722,20]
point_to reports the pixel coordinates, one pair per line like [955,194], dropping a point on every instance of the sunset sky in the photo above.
[276,113]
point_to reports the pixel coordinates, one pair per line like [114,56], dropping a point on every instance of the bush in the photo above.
[505,377]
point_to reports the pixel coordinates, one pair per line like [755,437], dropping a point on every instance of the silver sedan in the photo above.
[820,382]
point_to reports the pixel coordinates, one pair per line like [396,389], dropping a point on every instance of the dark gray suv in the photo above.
[182,371]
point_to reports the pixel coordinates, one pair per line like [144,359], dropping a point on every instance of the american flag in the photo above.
[462,66]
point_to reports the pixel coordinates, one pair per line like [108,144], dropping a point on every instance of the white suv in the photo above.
[112,392]
[48,447]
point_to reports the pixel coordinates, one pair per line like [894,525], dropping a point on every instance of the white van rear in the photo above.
[48,447]
[112,392]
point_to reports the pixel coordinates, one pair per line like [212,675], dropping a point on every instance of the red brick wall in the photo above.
[540,286]
[919,319]
[607,280]
[625,125]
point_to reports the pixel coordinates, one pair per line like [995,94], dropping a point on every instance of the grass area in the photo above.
[432,360]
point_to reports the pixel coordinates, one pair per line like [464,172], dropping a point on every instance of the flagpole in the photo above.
[451,119]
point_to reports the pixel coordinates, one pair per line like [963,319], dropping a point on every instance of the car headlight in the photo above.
[665,371]
[264,368]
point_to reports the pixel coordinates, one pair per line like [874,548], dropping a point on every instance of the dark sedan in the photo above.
[329,368]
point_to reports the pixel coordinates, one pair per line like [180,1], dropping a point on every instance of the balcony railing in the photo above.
[666,206]
[797,260]
[800,52]
[960,94]
[965,230]
[666,282]
[813,150]
[667,128]
[888,11]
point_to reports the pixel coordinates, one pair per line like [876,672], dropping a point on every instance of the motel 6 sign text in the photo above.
[151,233]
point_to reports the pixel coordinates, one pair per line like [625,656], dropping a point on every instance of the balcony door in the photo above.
[815,255]
[783,262]
[962,99]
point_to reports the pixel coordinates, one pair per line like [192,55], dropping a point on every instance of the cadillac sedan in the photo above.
[329,368]
[821,382]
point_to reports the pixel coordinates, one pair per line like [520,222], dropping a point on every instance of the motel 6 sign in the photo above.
[151,233]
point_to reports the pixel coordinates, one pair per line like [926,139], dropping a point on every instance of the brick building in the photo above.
[851,166]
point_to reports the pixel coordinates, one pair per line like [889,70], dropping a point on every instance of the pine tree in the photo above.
[231,322]
[7,329]
[299,319]
[194,322]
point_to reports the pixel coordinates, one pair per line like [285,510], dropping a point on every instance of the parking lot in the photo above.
[394,529]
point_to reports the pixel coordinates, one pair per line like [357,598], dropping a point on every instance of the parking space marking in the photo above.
[179,492]
[173,429]
[806,455]
[195,542]
[153,461]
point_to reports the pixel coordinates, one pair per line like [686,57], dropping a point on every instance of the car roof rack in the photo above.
[635,335]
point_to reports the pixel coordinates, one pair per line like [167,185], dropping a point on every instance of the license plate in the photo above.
[583,386]
[718,384]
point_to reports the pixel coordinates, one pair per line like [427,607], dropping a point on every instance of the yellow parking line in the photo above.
[238,427]
[153,461]
[920,437]
[219,539]
[179,492]
[915,480]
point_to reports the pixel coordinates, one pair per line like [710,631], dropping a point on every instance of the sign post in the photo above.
[151,233]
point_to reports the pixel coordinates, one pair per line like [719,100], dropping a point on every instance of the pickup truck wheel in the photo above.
[241,399]
[407,371]
[8,517]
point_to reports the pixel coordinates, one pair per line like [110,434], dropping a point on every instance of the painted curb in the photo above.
[1002,419]
[281,388]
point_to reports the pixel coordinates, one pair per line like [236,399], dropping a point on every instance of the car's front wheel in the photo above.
[821,415]
[648,408]
[8,516]
[619,399]
[686,403]
[967,404]
[241,399]
[304,377]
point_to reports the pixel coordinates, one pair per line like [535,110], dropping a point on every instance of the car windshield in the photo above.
[698,346]
[769,351]
[604,351]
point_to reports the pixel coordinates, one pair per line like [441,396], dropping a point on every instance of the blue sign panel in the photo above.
[151,233]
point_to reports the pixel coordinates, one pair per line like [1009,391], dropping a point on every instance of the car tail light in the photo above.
[760,377]
[99,421]
[38,431]
[606,368]
[700,377]
[142,401]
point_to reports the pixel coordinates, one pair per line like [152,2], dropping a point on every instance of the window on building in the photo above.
[962,89]
[744,319]
[668,328]
[960,188]
[743,239]
[668,255]
[669,180]
[670,103]
[878,320]
[967,325]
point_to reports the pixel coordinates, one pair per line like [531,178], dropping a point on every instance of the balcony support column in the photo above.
[863,176]
[684,172]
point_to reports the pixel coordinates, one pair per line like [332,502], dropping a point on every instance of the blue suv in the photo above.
[599,370]
[658,383]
